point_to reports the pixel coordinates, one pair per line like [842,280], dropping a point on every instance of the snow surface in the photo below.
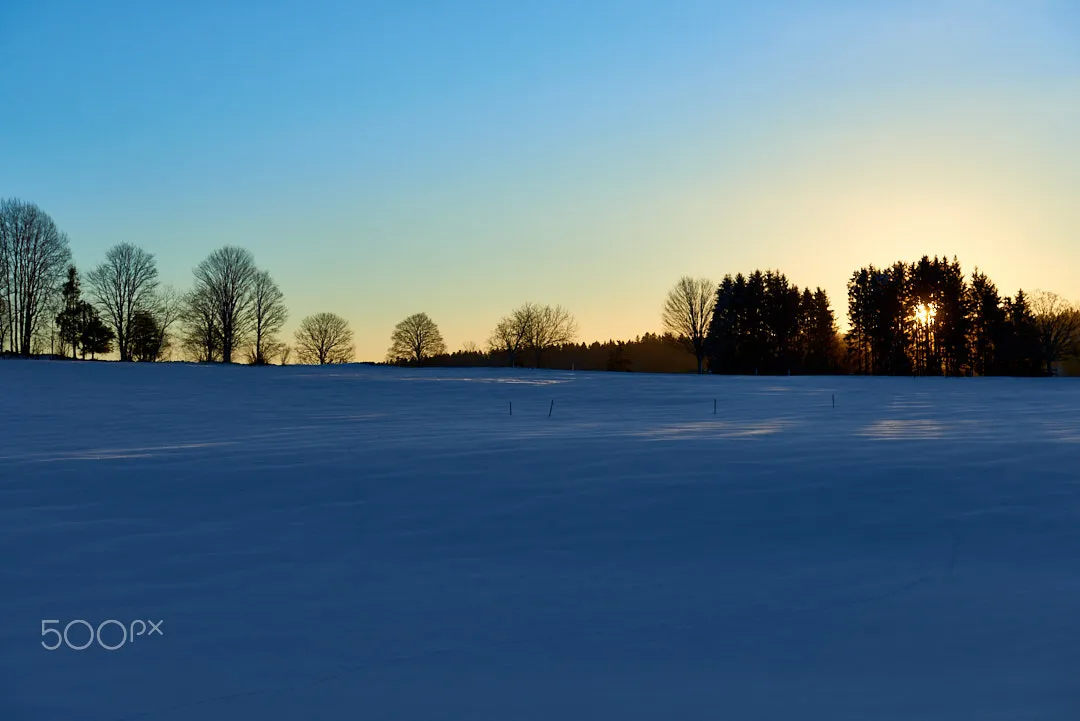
[371,543]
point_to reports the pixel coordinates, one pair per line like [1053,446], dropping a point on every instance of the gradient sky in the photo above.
[386,157]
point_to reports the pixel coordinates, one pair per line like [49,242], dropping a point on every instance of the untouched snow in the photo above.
[365,543]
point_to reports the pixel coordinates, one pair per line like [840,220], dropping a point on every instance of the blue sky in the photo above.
[460,158]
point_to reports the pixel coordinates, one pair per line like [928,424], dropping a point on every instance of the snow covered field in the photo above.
[367,543]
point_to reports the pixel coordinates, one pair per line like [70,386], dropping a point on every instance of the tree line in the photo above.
[919,318]
[234,310]
[927,318]
[924,317]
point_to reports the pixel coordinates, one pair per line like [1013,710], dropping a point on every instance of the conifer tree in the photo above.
[69,320]
[95,337]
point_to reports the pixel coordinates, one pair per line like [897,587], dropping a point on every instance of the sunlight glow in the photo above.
[925,313]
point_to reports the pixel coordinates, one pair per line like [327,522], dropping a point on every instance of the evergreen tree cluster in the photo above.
[648,353]
[763,324]
[925,318]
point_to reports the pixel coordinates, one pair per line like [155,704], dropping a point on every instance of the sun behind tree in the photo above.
[414,339]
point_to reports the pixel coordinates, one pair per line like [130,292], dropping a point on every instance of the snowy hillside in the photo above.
[368,543]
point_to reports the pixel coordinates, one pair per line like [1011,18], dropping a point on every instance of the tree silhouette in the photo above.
[818,342]
[1022,352]
[122,285]
[687,314]
[511,333]
[95,336]
[69,320]
[145,337]
[268,316]
[648,353]
[414,339]
[926,318]
[534,327]
[201,333]
[79,323]
[762,323]
[224,283]
[548,327]
[5,317]
[323,338]
[986,326]
[34,255]
[166,308]
[937,287]
[1057,324]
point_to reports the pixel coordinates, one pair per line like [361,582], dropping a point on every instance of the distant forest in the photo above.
[921,318]
[911,318]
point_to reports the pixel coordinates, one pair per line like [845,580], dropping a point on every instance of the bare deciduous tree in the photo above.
[1058,324]
[324,338]
[511,333]
[687,313]
[268,316]
[33,257]
[166,307]
[225,280]
[120,287]
[535,327]
[414,339]
[549,326]
[201,338]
